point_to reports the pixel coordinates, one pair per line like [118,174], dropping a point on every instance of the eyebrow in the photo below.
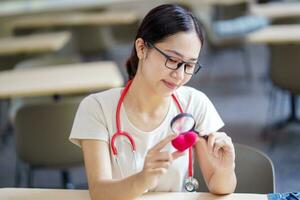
[179,54]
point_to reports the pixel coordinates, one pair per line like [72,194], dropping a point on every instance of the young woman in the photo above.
[164,58]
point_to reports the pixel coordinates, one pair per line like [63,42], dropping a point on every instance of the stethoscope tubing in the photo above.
[131,140]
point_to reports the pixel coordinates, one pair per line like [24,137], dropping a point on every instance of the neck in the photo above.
[142,98]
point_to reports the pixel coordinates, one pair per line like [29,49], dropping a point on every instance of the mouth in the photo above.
[170,85]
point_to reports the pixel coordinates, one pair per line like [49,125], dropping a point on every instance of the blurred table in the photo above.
[276,10]
[32,44]
[56,80]
[17,8]
[60,194]
[215,2]
[276,34]
[74,19]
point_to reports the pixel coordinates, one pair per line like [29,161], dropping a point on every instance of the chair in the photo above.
[216,44]
[42,132]
[284,73]
[254,171]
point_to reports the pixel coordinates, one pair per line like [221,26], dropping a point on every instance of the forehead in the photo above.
[185,43]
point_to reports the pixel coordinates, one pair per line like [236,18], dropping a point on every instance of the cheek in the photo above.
[186,79]
[154,69]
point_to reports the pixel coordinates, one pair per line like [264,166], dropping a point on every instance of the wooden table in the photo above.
[16,8]
[60,194]
[37,43]
[276,34]
[276,10]
[56,80]
[74,19]
[223,2]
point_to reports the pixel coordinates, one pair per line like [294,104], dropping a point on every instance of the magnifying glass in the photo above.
[183,125]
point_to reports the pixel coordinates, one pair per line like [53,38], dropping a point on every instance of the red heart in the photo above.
[184,140]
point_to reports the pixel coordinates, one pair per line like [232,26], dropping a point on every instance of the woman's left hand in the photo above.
[220,149]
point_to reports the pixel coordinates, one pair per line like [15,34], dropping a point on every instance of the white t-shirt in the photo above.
[95,119]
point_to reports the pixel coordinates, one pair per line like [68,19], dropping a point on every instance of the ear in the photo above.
[140,48]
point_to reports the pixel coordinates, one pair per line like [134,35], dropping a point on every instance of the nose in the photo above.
[179,72]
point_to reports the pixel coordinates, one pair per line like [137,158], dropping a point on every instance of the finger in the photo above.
[162,156]
[211,142]
[218,146]
[159,171]
[228,145]
[177,154]
[163,142]
[159,164]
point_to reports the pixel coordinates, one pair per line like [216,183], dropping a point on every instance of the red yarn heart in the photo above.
[184,140]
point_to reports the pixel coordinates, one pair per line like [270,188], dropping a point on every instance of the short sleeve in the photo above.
[89,122]
[208,119]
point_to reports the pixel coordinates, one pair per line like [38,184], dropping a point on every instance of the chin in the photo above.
[167,93]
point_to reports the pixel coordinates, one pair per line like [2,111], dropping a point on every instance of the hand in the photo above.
[157,162]
[220,150]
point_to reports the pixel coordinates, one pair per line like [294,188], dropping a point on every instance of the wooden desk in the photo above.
[55,80]
[276,10]
[276,34]
[37,43]
[50,194]
[224,2]
[74,19]
[15,7]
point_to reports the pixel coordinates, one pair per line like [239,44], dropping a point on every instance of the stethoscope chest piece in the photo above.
[191,184]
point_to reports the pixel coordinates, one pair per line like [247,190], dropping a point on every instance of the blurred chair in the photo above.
[284,73]
[216,44]
[124,34]
[230,11]
[42,132]
[254,171]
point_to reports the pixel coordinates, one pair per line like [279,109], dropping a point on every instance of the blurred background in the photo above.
[55,52]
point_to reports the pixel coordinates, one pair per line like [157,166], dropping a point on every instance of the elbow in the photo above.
[101,191]
[224,188]
[95,191]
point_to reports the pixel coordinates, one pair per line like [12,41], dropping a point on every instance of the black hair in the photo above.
[161,22]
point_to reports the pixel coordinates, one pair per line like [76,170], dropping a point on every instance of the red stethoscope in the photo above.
[183,124]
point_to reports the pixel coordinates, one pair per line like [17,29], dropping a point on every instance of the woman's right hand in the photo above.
[157,162]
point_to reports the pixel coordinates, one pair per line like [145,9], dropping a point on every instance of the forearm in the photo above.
[125,189]
[222,181]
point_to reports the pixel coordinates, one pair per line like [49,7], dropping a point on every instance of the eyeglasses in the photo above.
[174,63]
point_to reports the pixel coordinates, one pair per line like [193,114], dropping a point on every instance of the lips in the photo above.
[170,84]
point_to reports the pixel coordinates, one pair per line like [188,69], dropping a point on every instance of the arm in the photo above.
[216,159]
[99,174]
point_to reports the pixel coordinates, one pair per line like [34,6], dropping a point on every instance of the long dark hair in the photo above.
[161,22]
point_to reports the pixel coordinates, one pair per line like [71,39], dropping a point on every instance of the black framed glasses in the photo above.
[174,63]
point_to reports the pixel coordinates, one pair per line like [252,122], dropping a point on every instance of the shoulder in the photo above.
[101,102]
[193,101]
[189,94]
[102,98]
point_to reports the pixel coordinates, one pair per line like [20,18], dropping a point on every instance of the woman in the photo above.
[164,58]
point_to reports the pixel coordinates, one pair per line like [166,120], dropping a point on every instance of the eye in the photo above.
[173,60]
[189,65]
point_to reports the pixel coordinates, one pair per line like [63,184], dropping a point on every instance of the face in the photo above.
[182,47]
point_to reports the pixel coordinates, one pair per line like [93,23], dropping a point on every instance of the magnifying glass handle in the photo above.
[203,136]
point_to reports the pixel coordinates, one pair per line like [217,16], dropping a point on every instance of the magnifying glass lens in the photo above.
[182,124]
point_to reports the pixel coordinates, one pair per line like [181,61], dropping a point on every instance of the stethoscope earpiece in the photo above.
[191,184]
